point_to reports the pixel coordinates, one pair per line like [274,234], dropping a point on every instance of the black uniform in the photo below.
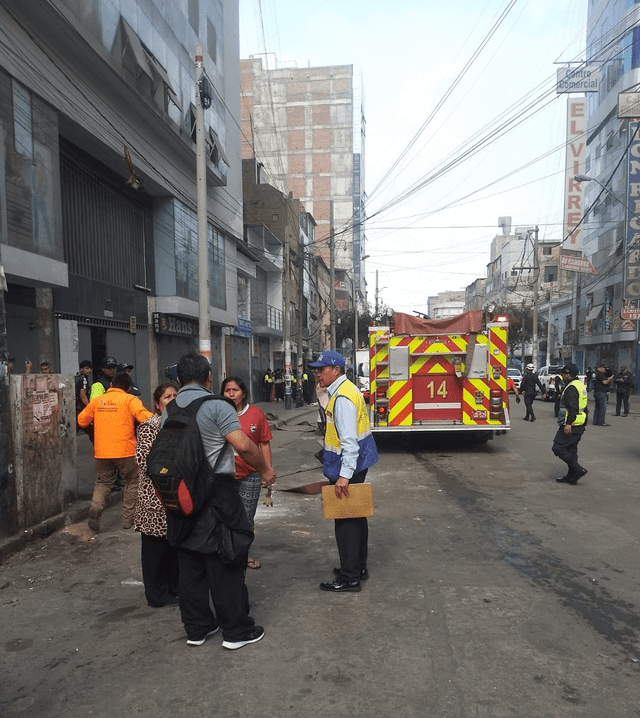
[528,387]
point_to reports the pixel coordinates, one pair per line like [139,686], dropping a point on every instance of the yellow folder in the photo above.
[358,505]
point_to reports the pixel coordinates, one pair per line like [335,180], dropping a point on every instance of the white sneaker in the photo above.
[200,641]
[256,634]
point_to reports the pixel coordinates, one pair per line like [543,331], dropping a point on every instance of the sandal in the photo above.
[252,563]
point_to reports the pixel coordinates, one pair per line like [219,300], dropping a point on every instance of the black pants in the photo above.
[203,573]
[622,397]
[565,447]
[528,402]
[159,570]
[352,537]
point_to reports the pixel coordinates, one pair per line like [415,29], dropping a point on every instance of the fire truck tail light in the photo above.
[381,391]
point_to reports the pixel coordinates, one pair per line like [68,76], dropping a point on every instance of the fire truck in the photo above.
[446,375]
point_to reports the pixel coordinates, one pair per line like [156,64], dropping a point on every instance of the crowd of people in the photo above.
[189,560]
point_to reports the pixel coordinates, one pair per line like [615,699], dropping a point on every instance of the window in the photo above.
[186,251]
[550,273]
[548,251]
[194,15]
[23,137]
[212,41]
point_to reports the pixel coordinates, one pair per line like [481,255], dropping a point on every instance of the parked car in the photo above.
[515,374]
[547,376]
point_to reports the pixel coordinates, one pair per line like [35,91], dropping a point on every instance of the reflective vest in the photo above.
[581,416]
[368,454]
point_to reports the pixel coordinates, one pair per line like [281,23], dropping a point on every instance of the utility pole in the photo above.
[549,325]
[536,277]
[300,302]
[332,274]
[204,311]
[376,314]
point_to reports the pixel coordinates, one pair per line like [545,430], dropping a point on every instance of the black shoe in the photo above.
[364,574]
[533,418]
[338,585]
[573,480]
[200,641]
[526,418]
[173,601]
[255,634]
[563,479]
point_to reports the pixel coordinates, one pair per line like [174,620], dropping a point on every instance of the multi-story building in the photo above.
[602,333]
[284,294]
[307,126]
[98,180]
[446,304]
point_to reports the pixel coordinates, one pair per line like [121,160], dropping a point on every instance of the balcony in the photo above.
[266,320]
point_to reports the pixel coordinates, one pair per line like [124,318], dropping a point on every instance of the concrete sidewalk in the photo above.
[278,416]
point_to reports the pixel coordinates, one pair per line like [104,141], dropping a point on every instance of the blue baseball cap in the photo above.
[328,359]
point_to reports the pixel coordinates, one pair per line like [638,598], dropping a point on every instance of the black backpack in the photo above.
[177,464]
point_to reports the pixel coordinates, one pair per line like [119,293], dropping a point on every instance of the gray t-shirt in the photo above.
[215,420]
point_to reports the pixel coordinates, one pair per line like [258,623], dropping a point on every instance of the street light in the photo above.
[585,178]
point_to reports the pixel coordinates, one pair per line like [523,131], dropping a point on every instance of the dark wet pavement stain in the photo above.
[618,621]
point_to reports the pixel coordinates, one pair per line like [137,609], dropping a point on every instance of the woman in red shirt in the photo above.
[255,425]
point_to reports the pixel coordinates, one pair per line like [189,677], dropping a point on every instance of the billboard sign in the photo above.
[628,105]
[578,79]
[631,288]
[576,156]
[576,264]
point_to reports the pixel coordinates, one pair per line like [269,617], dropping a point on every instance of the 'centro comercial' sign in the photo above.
[578,79]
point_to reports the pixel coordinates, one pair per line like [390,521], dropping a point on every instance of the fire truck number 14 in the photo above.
[440,391]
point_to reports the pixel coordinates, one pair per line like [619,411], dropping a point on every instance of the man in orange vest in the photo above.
[114,415]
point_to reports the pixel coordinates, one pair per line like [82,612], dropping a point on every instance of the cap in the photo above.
[328,359]
[569,369]
[109,361]
[124,367]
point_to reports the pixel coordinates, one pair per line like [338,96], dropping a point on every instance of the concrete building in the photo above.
[474,294]
[602,332]
[446,304]
[284,295]
[97,180]
[307,126]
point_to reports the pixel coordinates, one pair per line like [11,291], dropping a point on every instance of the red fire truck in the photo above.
[446,375]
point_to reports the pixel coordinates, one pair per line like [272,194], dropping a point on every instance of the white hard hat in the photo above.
[530,367]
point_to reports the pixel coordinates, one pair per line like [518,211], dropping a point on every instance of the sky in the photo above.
[463,122]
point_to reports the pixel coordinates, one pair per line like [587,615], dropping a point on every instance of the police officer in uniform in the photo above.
[572,420]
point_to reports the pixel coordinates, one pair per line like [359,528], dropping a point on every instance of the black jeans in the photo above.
[352,537]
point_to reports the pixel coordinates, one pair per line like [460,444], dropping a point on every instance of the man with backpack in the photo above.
[213,541]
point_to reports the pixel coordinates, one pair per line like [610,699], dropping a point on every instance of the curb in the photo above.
[73,513]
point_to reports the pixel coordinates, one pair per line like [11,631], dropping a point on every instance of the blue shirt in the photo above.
[345,418]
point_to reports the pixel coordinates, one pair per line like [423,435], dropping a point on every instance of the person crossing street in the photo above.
[529,389]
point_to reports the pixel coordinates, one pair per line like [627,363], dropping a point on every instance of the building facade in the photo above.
[307,126]
[98,181]
[602,331]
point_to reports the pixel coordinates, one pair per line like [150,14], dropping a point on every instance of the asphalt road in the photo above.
[494,592]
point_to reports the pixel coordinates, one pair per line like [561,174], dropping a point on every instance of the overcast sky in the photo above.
[459,70]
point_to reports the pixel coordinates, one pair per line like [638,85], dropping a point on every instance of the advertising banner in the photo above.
[576,155]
